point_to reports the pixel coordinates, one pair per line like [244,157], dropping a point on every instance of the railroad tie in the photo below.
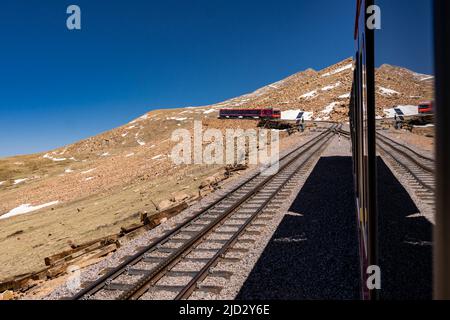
[148,259]
[118,287]
[197,260]
[137,272]
[221,274]
[182,274]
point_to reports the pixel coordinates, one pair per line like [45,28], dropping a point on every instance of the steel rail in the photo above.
[409,157]
[407,168]
[392,144]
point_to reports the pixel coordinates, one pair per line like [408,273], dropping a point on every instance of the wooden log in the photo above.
[158,218]
[153,221]
[234,168]
[78,253]
[109,238]
[80,261]
[170,212]
[40,275]
[131,228]
[15,283]
[49,261]
[167,213]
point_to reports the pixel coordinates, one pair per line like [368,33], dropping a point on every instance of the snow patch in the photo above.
[2,182]
[345,96]
[26,208]
[157,157]
[124,134]
[422,77]
[47,156]
[331,87]
[194,107]
[307,116]
[209,111]
[88,179]
[427,78]
[338,70]
[328,109]
[141,143]
[309,95]
[68,170]
[105,154]
[144,117]
[129,155]
[17,181]
[87,171]
[387,92]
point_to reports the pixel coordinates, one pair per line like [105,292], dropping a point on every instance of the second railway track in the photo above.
[175,266]
[417,168]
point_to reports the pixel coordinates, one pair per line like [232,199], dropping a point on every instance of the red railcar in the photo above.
[269,113]
[426,107]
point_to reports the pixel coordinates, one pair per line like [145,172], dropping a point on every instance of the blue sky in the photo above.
[59,86]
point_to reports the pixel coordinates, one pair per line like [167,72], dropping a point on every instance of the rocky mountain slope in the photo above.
[325,94]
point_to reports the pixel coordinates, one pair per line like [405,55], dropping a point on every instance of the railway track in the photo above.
[176,265]
[417,168]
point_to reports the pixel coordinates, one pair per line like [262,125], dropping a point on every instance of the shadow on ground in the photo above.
[313,253]
[405,242]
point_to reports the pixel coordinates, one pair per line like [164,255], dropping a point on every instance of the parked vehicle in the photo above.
[269,113]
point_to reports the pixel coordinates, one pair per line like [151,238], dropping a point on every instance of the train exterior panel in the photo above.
[250,114]
[362,125]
